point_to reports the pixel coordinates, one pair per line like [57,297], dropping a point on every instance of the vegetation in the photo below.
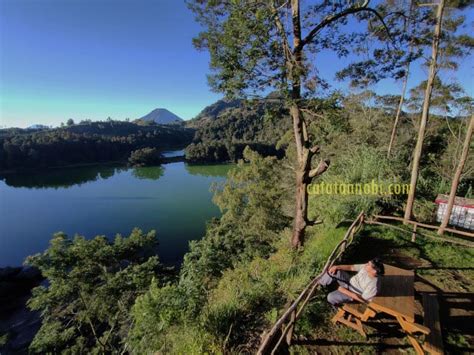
[145,156]
[224,129]
[253,49]
[85,143]
[92,286]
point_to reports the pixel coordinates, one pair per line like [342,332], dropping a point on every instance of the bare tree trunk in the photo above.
[425,113]
[457,177]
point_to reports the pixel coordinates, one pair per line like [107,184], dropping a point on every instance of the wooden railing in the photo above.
[424,225]
[284,326]
[377,219]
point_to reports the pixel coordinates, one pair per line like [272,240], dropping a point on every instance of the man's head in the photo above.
[375,267]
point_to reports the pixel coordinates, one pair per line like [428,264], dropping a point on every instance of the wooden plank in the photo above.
[361,311]
[396,296]
[433,341]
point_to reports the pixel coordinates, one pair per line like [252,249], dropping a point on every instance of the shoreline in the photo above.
[166,160]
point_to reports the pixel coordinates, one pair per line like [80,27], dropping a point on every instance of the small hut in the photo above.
[462,214]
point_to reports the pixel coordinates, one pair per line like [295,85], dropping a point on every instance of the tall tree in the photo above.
[457,176]
[447,46]
[260,45]
[425,112]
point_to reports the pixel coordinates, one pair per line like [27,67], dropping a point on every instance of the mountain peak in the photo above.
[161,116]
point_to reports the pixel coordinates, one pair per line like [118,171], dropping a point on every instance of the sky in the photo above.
[93,59]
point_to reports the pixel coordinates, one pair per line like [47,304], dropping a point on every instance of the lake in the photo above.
[173,199]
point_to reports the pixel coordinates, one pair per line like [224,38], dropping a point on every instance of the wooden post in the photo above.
[289,335]
[413,235]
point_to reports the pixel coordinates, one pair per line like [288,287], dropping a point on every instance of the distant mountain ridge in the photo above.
[161,116]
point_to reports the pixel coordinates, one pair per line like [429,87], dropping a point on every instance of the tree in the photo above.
[70,122]
[425,112]
[252,49]
[144,157]
[447,46]
[457,176]
[92,286]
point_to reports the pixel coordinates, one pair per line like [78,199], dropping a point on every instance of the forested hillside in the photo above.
[227,126]
[86,142]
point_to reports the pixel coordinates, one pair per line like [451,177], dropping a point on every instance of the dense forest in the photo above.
[226,127]
[85,142]
[114,296]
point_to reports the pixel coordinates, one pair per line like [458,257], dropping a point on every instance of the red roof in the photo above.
[458,201]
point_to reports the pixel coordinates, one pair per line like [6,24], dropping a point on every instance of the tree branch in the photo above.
[332,18]
[314,150]
[320,169]
[312,113]
[310,223]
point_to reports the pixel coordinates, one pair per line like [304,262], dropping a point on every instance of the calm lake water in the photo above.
[173,199]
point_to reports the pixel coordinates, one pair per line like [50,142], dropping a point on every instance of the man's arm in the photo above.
[351,294]
[333,269]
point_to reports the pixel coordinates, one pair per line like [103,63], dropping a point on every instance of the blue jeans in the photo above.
[342,278]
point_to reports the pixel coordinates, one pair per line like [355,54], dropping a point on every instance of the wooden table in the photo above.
[396,298]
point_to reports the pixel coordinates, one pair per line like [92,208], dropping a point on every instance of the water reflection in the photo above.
[68,177]
[61,178]
[148,172]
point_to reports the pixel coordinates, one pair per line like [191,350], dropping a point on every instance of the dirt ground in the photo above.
[440,268]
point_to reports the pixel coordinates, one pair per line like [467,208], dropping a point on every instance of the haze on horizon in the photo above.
[119,59]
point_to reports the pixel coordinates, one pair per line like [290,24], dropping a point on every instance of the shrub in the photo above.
[144,157]
[364,165]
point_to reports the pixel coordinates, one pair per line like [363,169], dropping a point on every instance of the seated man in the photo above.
[361,287]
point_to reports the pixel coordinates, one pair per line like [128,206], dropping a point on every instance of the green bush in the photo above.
[92,286]
[144,157]
[364,165]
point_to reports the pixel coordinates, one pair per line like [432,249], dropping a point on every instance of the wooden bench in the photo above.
[352,315]
[396,298]
[434,340]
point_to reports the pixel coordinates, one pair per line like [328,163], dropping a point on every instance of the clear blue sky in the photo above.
[86,59]
[94,59]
